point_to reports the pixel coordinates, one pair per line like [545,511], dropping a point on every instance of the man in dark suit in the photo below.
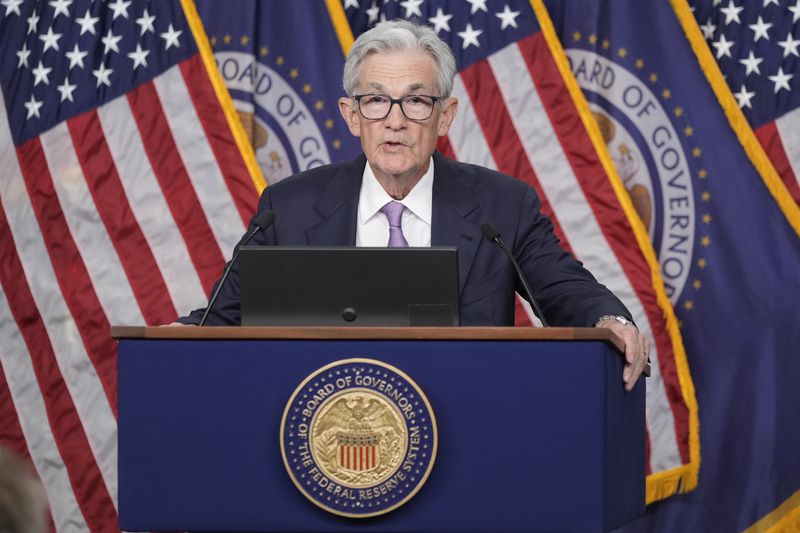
[398,78]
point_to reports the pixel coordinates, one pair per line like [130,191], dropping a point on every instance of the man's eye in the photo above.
[376,100]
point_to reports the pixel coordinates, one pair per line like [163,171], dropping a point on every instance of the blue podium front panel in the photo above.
[532,436]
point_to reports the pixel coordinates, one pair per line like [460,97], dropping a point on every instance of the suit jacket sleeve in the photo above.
[567,293]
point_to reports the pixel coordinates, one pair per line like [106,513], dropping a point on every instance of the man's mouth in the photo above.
[393,146]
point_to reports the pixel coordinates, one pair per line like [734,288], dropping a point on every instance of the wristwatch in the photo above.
[619,318]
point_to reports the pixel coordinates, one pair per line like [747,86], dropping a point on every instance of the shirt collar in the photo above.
[373,196]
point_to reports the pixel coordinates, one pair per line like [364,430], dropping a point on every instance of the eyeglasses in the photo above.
[413,106]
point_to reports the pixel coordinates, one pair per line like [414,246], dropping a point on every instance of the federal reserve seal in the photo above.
[358,438]
[649,143]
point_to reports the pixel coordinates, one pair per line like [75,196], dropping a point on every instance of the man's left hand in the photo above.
[636,346]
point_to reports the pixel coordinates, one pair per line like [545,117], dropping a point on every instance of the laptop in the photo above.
[348,286]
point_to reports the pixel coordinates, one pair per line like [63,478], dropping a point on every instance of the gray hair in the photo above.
[400,35]
[23,500]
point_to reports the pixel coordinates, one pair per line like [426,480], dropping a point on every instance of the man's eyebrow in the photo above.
[410,89]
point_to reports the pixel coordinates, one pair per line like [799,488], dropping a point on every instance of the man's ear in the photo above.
[449,110]
[350,115]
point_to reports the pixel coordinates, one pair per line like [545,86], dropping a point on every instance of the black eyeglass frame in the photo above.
[398,101]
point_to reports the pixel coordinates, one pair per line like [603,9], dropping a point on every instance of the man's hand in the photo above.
[637,349]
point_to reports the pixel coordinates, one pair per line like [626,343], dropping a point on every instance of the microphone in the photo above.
[261,222]
[492,234]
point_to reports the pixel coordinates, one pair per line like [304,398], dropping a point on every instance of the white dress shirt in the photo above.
[372,228]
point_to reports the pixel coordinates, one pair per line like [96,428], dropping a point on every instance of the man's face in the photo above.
[398,148]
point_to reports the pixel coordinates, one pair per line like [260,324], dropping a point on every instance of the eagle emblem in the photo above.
[358,438]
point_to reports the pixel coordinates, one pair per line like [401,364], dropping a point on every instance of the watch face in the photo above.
[619,318]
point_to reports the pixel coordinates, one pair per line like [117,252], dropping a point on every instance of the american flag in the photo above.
[757,47]
[123,190]
[516,115]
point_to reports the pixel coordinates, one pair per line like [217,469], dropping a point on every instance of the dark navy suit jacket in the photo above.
[319,207]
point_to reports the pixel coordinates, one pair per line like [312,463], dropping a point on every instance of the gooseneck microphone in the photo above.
[492,234]
[261,222]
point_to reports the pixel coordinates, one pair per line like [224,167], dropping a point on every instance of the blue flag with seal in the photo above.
[729,255]
[282,63]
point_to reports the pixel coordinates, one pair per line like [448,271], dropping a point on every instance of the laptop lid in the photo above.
[348,286]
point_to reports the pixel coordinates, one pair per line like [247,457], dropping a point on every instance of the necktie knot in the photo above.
[394,214]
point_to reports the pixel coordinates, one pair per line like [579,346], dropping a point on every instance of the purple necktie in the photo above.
[394,214]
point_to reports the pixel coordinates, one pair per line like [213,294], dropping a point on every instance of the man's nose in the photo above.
[395,119]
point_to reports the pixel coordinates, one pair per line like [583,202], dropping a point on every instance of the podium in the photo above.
[535,429]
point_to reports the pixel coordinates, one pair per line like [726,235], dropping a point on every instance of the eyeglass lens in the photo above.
[378,106]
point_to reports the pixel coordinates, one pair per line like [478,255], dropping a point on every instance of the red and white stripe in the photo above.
[357,457]
[25,416]
[537,136]
[122,215]
[137,186]
[781,141]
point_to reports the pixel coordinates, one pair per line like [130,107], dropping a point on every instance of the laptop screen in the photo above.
[348,286]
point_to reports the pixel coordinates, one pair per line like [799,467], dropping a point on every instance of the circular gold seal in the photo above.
[358,438]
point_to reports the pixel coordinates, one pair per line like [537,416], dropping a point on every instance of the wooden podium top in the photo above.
[367,333]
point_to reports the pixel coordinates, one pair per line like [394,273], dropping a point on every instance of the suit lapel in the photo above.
[452,202]
[338,208]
